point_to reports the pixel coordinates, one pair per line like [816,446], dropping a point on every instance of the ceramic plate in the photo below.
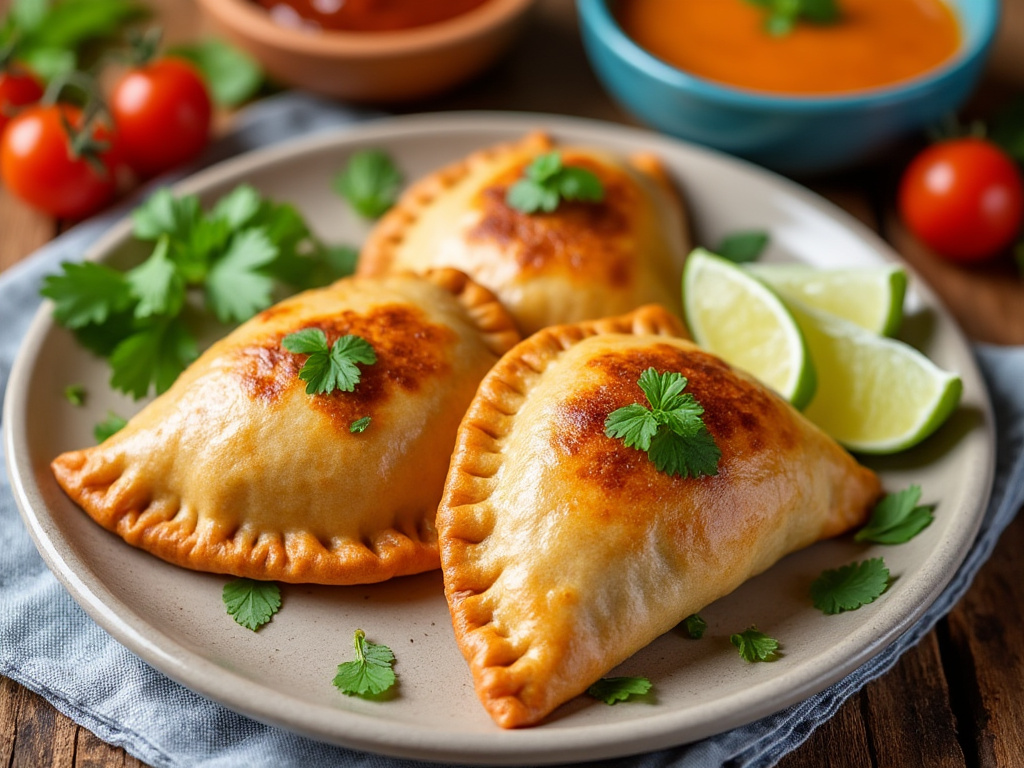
[174,618]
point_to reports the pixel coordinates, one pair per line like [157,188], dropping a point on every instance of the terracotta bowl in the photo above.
[376,67]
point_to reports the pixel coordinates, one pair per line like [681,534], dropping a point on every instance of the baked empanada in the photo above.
[235,469]
[565,551]
[583,261]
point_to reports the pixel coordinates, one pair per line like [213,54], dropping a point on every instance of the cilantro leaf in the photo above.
[783,15]
[672,432]
[329,368]
[86,293]
[359,425]
[238,207]
[235,289]
[371,672]
[755,645]
[851,586]
[231,75]
[897,518]
[251,603]
[153,355]
[164,214]
[743,247]
[157,283]
[75,394]
[370,182]
[695,626]
[612,690]
[109,426]
[547,181]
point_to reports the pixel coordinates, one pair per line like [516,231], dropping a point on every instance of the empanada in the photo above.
[565,551]
[235,469]
[583,261]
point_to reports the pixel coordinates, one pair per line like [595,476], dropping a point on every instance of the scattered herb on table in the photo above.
[370,182]
[743,247]
[548,181]
[612,690]
[755,645]
[109,426]
[897,518]
[695,626]
[371,673]
[783,15]
[330,367]
[851,586]
[359,425]
[671,431]
[251,603]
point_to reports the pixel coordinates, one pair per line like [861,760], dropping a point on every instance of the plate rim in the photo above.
[213,681]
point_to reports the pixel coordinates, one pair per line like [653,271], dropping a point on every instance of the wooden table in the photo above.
[957,699]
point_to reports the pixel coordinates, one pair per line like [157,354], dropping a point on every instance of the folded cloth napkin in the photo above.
[48,644]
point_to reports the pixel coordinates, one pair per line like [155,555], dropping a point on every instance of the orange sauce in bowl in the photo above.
[874,43]
[365,15]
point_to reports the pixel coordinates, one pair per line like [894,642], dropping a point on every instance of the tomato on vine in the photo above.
[18,88]
[162,112]
[964,198]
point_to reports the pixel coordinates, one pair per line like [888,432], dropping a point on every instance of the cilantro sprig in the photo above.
[755,645]
[671,431]
[232,260]
[548,181]
[744,246]
[111,425]
[783,15]
[612,690]
[897,518]
[695,626]
[851,586]
[370,182]
[251,603]
[330,367]
[371,673]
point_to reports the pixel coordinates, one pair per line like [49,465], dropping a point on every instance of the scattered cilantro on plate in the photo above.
[251,603]
[109,426]
[755,645]
[851,586]
[695,626]
[612,690]
[370,182]
[370,673]
[897,518]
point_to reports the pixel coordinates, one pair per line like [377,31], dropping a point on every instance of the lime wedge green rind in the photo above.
[871,297]
[875,395]
[737,317]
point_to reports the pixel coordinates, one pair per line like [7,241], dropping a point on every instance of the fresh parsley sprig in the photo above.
[370,182]
[612,690]
[671,431]
[233,257]
[548,181]
[851,586]
[371,673]
[897,518]
[330,367]
[755,645]
[251,603]
[783,15]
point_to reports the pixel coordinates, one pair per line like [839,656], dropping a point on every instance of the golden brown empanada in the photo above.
[565,551]
[235,469]
[583,261]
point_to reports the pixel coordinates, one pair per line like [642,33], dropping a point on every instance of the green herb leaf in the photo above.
[371,673]
[695,626]
[370,182]
[850,587]
[86,293]
[547,181]
[251,603]
[164,214]
[329,368]
[612,690]
[672,432]
[238,208]
[155,355]
[743,247]
[157,284]
[359,425]
[232,76]
[236,289]
[109,426]
[75,394]
[783,15]
[897,518]
[755,645]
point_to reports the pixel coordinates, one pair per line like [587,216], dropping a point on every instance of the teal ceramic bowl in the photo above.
[795,135]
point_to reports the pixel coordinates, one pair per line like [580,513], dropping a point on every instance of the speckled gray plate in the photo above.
[174,619]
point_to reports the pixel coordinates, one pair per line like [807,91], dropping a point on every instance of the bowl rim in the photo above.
[597,16]
[248,19]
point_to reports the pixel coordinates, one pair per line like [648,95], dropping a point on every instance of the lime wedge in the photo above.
[871,297]
[737,317]
[875,394]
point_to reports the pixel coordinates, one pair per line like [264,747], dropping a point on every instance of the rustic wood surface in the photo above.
[957,699]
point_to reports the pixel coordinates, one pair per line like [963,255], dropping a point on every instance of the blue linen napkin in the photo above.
[49,645]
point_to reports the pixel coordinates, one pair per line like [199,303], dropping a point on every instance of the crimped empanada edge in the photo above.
[496,325]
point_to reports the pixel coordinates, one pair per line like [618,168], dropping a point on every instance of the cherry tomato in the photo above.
[38,166]
[18,88]
[162,112]
[964,198]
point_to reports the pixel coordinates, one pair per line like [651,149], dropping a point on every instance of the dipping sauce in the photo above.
[365,15]
[874,43]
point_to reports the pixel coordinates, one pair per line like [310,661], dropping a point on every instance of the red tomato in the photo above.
[162,113]
[963,198]
[38,166]
[18,88]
